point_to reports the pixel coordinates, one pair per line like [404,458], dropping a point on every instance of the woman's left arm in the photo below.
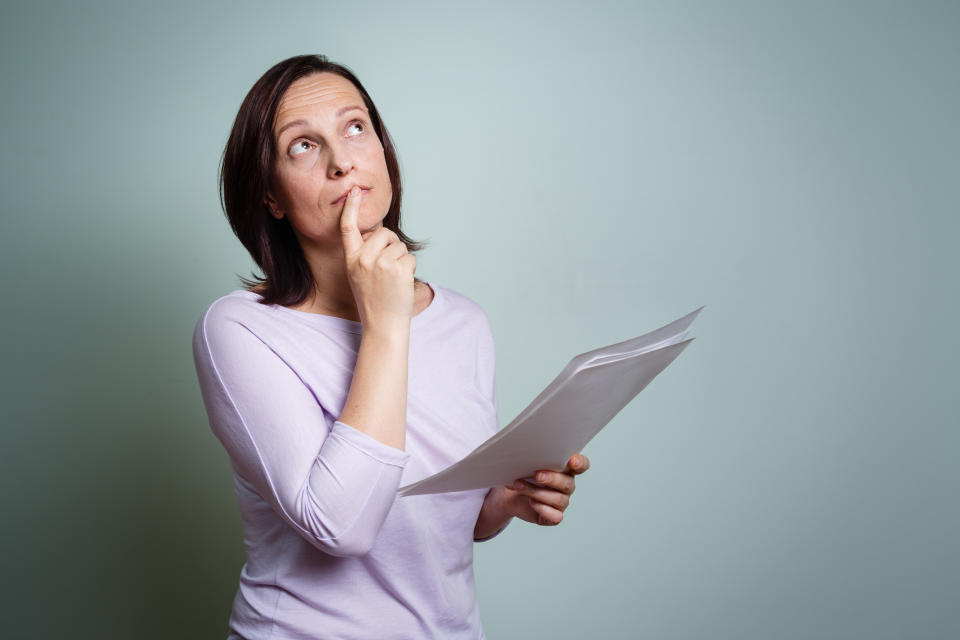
[543,503]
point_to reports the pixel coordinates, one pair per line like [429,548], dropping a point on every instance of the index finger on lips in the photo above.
[352,239]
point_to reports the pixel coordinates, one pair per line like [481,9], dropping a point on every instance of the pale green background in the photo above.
[586,172]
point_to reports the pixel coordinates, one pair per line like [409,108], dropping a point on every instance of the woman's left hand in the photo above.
[544,505]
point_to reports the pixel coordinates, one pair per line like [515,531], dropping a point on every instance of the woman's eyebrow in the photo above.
[294,123]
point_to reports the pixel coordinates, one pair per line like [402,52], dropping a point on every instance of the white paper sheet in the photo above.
[567,414]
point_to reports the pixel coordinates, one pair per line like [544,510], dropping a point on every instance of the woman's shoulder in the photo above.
[236,321]
[234,300]
[455,297]
[239,305]
[460,308]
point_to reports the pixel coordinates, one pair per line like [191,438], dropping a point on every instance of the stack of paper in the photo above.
[587,394]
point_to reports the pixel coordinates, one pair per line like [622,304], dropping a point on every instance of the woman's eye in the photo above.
[299,147]
[302,146]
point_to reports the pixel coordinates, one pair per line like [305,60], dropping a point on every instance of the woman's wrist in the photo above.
[395,331]
[493,514]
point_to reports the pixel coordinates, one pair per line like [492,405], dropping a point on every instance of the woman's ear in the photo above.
[271,203]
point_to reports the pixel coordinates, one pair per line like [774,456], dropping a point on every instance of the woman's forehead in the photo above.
[326,92]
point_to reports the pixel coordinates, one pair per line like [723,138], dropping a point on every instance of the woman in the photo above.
[339,377]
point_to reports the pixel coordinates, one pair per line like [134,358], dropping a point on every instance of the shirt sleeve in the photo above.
[333,484]
[487,367]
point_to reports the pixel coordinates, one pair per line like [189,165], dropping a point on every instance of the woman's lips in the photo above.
[344,196]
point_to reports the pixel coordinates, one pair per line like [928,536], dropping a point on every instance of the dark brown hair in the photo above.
[246,175]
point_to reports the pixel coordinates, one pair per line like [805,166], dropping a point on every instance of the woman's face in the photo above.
[325,145]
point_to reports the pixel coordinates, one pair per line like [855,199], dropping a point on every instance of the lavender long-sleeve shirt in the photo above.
[332,551]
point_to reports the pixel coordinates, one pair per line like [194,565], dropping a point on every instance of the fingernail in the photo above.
[354,191]
[541,477]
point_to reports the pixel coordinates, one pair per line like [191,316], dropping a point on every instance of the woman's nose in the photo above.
[340,163]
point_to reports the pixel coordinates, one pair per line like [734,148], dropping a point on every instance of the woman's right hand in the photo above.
[379,268]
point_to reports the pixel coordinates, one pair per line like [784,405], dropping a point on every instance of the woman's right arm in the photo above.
[333,485]
[380,272]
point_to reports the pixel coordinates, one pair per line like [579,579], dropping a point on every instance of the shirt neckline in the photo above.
[354,326]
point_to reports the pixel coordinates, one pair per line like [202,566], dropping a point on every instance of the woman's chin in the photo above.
[366,233]
[370,228]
